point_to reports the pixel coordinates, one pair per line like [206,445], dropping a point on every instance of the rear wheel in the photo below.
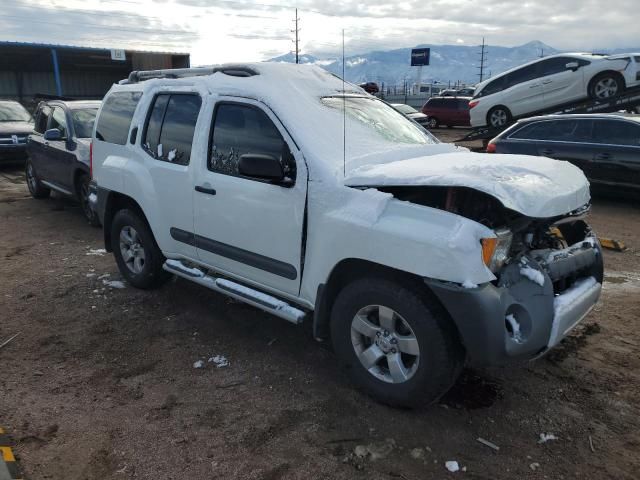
[606,85]
[36,188]
[138,256]
[396,344]
[82,190]
[498,117]
[433,122]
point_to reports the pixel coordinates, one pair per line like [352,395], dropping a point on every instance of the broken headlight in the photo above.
[495,250]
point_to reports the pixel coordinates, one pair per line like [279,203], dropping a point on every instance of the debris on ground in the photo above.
[545,437]
[97,252]
[375,451]
[534,466]
[6,342]
[614,245]
[417,453]
[114,283]
[452,466]
[219,361]
[198,364]
[488,443]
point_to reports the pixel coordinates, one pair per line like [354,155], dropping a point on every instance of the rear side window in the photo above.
[43,119]
[241,129]
[436,103]
[492,87]
[115,118]
[169,131]
[616,132]
[521,75]
[463,104]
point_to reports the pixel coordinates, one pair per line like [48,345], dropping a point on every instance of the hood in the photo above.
[16,127]
[537,187]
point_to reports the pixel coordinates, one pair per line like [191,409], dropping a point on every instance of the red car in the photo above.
[449,111]
[370,87]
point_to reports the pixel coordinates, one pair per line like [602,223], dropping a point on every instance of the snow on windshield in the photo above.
[13,112]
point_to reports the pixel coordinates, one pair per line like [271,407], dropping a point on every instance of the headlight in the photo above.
[495,250]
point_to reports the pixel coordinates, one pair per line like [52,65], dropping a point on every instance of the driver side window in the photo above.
[59,121]
[244,129]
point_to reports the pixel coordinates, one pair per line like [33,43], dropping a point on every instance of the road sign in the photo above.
[118,55]
[420,57]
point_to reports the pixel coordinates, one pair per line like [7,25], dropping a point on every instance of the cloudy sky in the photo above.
[216,31]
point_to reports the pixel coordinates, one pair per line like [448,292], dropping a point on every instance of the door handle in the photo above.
[603,156]
[547,81]
[534,86]
[207,190]
[547,151]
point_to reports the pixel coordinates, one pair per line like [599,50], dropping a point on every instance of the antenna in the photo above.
[344,116]
[297,40]
[482,60]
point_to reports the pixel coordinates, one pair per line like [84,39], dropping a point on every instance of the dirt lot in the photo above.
[100,384]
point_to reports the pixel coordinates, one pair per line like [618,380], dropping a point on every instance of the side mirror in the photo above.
[264,167]
[53,134]
[572,66]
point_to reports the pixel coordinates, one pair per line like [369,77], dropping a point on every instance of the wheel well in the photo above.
[352,269]
[608,72]
[116,202]
[76,180]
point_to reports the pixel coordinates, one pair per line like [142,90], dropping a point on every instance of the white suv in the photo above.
[550,82]
[412,256]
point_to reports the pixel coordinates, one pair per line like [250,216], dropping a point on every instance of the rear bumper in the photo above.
[539,318]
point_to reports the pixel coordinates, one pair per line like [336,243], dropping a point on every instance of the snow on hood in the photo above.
[537,187]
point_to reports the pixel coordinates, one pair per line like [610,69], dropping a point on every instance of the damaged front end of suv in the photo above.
[548,270]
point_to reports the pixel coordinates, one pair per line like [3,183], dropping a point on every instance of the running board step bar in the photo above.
[239,292]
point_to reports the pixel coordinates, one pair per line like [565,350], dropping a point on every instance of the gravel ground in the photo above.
[101,384]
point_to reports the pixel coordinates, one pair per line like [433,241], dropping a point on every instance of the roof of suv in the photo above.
[583,116]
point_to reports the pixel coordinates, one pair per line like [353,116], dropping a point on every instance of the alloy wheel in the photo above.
[385,344]
[498,118]
[606,87]
[132,249]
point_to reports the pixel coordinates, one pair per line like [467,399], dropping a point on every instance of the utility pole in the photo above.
[483,58]
[297,40]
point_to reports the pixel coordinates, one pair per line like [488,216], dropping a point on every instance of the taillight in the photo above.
[473,103]
[491,148]
[91,160]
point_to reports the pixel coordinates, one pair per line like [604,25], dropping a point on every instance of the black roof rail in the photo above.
[232,70]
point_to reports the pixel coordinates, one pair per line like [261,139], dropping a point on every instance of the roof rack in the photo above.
[232,70]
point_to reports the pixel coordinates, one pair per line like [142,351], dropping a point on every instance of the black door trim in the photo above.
[252,259]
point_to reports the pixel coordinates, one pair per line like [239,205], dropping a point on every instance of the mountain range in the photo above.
[449,63]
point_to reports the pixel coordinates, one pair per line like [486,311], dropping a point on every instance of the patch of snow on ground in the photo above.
[198,364]
[545,437]
[114,283]
[219,361]
[452,466]
[97,251]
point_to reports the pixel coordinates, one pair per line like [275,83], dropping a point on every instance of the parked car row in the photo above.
[16,123]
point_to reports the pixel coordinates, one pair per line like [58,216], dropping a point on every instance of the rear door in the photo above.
[616,153]
[560,84]
[59,158]
[250,228]
[35,144]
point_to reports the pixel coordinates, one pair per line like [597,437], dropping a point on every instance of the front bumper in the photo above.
[540,315]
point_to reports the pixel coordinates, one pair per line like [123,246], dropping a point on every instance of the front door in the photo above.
[560,84]
[523,91]
[247,227]
[60,160]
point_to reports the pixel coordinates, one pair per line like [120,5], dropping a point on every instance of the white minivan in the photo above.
[549,82]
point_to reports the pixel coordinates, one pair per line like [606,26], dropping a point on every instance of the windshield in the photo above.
[83,122]
[13,112]
[406,109]
[381,121]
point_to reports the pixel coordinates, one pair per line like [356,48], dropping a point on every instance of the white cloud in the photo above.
[244,30]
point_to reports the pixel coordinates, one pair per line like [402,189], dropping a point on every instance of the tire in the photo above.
[433,122]
[36,188]
[131,235]
[606,85]
[82,191]
[499,117]
[415,325]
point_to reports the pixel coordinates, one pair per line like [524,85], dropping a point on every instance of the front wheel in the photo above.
[138,256]
[395,343]
[498,117]
[36,188]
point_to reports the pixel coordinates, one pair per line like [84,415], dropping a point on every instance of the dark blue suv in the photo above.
[59,151]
